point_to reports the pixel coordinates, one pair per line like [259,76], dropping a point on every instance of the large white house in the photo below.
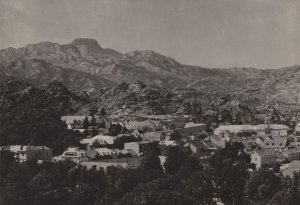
[234,129]
[273,129]
[261,129]
[74,154]
[101,139]
[263,157]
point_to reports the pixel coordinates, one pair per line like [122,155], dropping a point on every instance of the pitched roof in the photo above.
[233,128]
[191,124]
[271,126]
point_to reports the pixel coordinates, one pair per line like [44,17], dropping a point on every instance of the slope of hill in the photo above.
[40,72]
[18,96]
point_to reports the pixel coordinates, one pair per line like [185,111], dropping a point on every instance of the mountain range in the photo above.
[83,65]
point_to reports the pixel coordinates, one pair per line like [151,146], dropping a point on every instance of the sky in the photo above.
[208,33]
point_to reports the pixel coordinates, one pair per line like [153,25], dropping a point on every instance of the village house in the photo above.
[262,157]
[74,154]
[218,141]
[290,169]
[101,139]
[71,121]
[24,153]
[175,123]
[228,130]
[79,130]
[110,152]
[168,143]
[289,155]
[272,129]
[191,128]
[202,149]
[141,125]
[261,130]
[294,144]
[271,142]
[134,148]
[154,136]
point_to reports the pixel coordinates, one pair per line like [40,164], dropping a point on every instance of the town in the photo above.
[109,142]
[106,156]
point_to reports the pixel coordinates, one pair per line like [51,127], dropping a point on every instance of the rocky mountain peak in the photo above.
[151,57]
[87,45]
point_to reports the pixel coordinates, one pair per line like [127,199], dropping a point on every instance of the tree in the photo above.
[94,132]
[93,121]
[115,129]
[93,110]
[174,160]
[261,186]
[86,123]
[103,112]
[160,191]
[289,194]
[172,127]
[163,136]
[226,163]
[175,135]
[200,188]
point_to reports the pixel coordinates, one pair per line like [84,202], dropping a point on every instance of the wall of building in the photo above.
[133,146]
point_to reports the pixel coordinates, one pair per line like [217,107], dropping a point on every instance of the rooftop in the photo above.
[191,124]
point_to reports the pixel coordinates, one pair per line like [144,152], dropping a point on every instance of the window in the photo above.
[273,143]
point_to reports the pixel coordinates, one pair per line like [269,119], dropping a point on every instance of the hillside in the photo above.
[20,96]
[84,65]
[30,114]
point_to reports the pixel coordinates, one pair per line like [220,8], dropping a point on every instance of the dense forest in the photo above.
[184,180]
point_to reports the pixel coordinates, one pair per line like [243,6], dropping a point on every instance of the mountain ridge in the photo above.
[84,64]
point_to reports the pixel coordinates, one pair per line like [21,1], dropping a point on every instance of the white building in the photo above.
[261,129]
[168,143]
[74,154]
[234,129]
[101,139]
[28,152]
[108,152]
[134,148]
[272,129]
[263,157]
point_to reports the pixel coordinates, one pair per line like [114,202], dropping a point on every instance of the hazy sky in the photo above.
[213,33]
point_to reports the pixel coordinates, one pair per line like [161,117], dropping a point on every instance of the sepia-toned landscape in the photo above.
[82,124]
